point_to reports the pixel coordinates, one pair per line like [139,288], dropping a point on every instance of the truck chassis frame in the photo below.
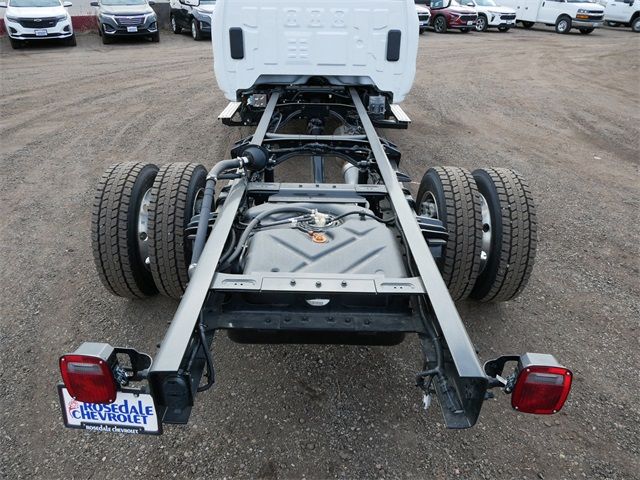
[183,357]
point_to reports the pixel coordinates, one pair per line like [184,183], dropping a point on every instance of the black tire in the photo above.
[458,206]
[106,40]
[421,31]
[635,24]
[464,30]
[173,197]
[513,235]
[174,26]
[440,24]
[504,29]
[114,229]
[563,24]
[586,31]
[196,33]
[155,38]
[71,41]
[527,24]
[16,44]
[613,24]
[482,24]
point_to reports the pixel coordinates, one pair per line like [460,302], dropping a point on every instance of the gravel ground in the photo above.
[563,110]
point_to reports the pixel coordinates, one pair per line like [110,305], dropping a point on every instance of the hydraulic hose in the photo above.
[207,202]
[253,223]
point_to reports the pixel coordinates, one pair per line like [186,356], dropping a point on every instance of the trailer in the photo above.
[268,261]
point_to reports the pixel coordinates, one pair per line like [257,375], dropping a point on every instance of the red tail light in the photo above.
[88,379]
[541,389]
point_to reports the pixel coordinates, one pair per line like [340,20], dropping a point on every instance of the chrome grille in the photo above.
[130,21]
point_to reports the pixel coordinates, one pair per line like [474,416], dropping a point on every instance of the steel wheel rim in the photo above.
[562,25]
[197,202]
[486,234]
[143,227]
[429,206]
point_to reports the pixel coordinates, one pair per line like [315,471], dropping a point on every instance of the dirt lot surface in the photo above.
[563,110]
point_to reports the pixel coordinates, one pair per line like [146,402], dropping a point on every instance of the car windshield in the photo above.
[124,2]
[35,3]
[207,2]
[442,3]
[485,3]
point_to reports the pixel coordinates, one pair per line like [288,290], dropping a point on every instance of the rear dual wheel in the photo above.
[138,228]
[492,228]
[510,234]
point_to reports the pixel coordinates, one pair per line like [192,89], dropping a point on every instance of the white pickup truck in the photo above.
[623,12]
[563,14]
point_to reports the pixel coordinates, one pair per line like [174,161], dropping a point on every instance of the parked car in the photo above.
[563,14]
[446,14]
[194,18]
[490,15]
[623,12]
[27,20]
[126,18]
[424,15]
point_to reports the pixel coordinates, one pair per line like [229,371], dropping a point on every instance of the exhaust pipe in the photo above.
[350,173]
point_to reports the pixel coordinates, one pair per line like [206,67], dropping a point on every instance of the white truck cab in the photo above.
[292,42]
[563,14]
[623,12]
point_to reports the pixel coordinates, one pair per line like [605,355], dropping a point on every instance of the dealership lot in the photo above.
[562,109]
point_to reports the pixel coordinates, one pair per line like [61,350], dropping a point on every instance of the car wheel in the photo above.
[176,194]
[421,31]
[71,41]
[509,234]
[503,29]
[174,26]
[563,25]
[613,24]
[635,24]
[449,194]
[119,229]
[16,44]
[586,31]
[196,33]
[440,24]
[155,37]
[106,39]
[527,24]
[464,30]
[481,24]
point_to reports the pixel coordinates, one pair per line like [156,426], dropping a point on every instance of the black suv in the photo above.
[194,18]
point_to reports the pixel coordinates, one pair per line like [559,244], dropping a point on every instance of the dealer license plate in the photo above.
[132,29]
[40,33]
[130,413]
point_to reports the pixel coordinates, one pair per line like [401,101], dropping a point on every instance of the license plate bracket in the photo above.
[132,412]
